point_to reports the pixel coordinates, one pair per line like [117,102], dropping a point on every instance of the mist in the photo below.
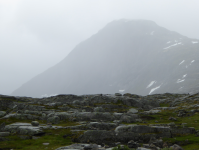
[36,35]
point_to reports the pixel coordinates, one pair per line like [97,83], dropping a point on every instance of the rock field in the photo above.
[91,122]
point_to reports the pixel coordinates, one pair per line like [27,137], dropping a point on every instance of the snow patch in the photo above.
[152,33]
[173,45]
[192,62]
[182,62]
[152,90]
[194,42]
[152,82]
[179,80]
[46,95]
[184,76]
[121,91]
[168,42]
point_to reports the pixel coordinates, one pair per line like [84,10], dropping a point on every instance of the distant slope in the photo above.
[135,56]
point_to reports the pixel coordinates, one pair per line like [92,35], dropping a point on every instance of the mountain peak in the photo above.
[135,56]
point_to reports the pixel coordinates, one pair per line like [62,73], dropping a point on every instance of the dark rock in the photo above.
[35,123]
[2,126]
[176,147]
[53,120]
[132,144]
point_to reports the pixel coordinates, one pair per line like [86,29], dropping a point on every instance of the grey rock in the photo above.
[129,118]
[176,147]
[23,129]
[2,113]
[133,111]
[132,144]
[53,120]
[182,131]
[91,147]
[2,126]
[4,134]
[118,94]
[98,109]
[35,123]
[102,125]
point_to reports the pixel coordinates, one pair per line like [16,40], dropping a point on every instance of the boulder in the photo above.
[4,134]
[132,111]
[2,113]
[176,147]
[35,123]
[53,120]
[2,126]
[97,136]
[98,109]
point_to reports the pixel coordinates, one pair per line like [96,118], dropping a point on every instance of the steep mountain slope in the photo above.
[135,56]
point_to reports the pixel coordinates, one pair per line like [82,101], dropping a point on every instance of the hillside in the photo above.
[135,56]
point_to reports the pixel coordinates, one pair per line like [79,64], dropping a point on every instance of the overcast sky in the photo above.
[37,34]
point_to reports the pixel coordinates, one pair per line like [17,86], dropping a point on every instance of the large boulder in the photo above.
[53,120]
[97,136]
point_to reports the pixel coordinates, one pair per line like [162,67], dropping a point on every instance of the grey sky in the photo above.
[37,34]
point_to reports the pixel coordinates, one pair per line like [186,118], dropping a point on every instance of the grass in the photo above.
[54,137]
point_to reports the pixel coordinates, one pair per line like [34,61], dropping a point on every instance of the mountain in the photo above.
[135,56]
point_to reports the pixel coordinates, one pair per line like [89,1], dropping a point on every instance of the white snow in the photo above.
[192,62]
[46,95]
[179,80]
[176,41]
[184,76]
[152,82]
[181,87]
[121,91]
[168,42]
[173,45]
[186,66]
[182,62]
[152,32]
[194,42]
[152,90]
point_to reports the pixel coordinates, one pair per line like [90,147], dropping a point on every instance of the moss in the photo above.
[164,105]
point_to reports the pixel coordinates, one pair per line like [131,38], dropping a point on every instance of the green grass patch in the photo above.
[54,137]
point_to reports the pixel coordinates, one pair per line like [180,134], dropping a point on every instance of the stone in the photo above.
[2,134]
[2,126]
[176,147]
[23,129]
[172,118]
[98,109]
[91,147]
[118,94]
[2,113]
[46,143]
[53,120]
[35,123]
[133,111]
[132,144]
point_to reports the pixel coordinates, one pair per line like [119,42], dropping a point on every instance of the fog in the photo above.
[37,34]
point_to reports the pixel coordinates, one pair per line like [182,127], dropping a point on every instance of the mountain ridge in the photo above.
[124,55]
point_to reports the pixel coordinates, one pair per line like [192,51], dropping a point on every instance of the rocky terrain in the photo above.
[100,121]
